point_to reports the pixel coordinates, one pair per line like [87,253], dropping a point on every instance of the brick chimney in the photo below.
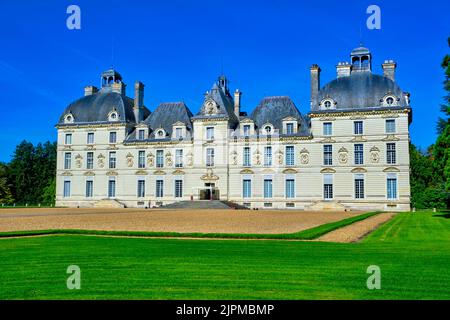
[237,102]
[343,69]
[315,83]
[119,87]
[389,67]
[90,90]
[138,101]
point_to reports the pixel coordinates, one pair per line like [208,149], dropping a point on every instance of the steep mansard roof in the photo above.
[97,107]
[274,109]
[168,114]
[360,90]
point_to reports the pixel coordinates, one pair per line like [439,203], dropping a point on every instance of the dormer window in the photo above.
[178,133]
[113,116]
[160,134]
[141,134]
[246,130]
[327,104]
[289,128]
[268,129]
[68,118]
[389,101]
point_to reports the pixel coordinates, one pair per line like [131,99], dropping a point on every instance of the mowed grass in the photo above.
[412,250]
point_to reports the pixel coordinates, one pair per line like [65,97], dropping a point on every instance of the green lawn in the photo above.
[412,250]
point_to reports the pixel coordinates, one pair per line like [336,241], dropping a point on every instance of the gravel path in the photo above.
[356,231]
[204,221]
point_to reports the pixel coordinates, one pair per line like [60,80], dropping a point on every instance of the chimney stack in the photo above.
[237,102]
[389,67]
[343,69]
[118,87]
[315,83]
[90,90]
[138,101]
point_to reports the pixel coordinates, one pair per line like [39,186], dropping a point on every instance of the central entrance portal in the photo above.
[210,192]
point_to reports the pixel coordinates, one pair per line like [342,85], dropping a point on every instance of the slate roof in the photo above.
[360,90]
[166,114]
[96,108]
[274,109]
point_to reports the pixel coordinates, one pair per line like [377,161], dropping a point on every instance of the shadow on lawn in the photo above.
[445,214]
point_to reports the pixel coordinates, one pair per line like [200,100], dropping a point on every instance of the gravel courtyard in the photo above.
[205,221]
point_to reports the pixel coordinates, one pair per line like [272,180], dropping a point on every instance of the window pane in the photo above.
[247,188]
[390,126]
[290,193]
[247,157]
[210,157]
[178,188]
[89,189]
[268,156]
[290,128]
[112,160]
[111,188]
[327,129]
[328,155]
[68,139]
[159,188]
[159,158]
[391,153]
[112,137]
[358,127]
[359,154]
[359,188]
[66,189]
[268,188]
[141,160]
[392,188]
[141,189]
[290,156]
[90,160]
[179,158]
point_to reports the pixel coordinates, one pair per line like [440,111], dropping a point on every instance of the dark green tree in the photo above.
[5,191]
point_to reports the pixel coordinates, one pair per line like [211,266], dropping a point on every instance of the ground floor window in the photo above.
[66,189]
[178,188]
[247,188]
[89,189]
[267,188]
[159,188]
[392,188]
[359,187]
[111,188]
[328,186]
[290,188]
[141,189]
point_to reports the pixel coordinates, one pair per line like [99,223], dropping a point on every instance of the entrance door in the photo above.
[209,193]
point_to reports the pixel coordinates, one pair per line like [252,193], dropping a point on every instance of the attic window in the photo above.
[160,134]
[390,101]
[113,116]
[68,118]
[268,129]
[328,104]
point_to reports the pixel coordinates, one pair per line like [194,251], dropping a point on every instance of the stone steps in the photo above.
[207,204]
[108,203]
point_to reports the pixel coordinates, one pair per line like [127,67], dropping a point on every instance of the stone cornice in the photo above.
[358,113]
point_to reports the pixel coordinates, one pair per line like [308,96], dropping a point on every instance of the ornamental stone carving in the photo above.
[343,155]
[280,157]
[209,175]
[304,156]
[101,160]
[234,159]
[169,159]
[150,159]
[375,155]
[79,161]
[130,159]
[257,157]
[190,159]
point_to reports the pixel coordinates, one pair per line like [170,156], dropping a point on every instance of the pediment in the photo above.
[290,171]
[246,171]
[359,170]
[328,170]
[391,169]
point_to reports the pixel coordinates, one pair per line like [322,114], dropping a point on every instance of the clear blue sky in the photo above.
[177,48]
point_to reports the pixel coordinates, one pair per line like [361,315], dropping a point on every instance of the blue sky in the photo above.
[178,48]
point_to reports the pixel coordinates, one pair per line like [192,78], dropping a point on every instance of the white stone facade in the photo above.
[348,159]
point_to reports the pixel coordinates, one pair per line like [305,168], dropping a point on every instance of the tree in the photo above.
[5,191]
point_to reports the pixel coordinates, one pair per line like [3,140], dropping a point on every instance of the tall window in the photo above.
[246,130]
[111,188]
[358,127]
[89,188]
[247,162]
[178,188]
[141,134]
[328,186]
[112,137]
[178,133]
[390,126]
[290,188]
[328,155]
[392,188]
[179,158]
[210,157]
[159,158]
[210,133]
[112,160]
[68,138]
[290,155]
[141,188]
[246,188]
[267,188]
[359,154]
[90,161]
[267,156]
[327,128]
[359,186]
[390,153]
[66,191]
[159,188]
[90,138]
[141,159]
[67,160]
[289,128]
